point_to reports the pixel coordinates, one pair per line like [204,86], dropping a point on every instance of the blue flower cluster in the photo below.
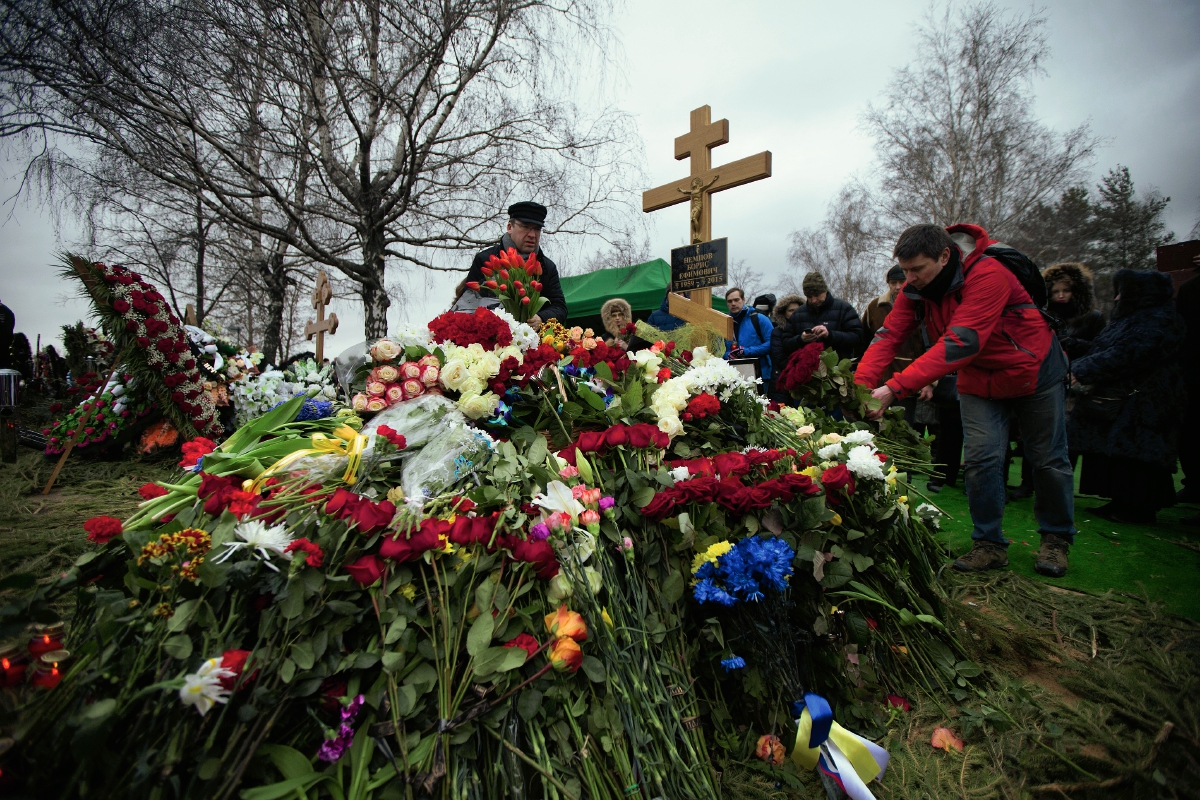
[741,574]
[314,409]
[730,664]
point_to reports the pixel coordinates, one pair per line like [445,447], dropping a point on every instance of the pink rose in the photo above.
[413,388]
[384,373]
[385,350]
[428,361]
[394,394]
[410,370]
[430,375]
[376,389]
[376,404]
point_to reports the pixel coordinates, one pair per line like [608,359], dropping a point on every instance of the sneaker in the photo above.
[1052,556]
[983,556]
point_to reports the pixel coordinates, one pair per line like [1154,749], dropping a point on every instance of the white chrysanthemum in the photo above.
[414,335]
[859,437]
[863,463]
[263,540]
[830,451]
[203,688]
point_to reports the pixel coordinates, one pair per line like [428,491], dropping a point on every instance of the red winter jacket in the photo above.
[991,332]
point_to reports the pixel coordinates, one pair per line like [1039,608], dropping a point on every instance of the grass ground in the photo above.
[1160,561]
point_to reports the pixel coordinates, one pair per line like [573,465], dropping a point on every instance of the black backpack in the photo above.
[1023,267]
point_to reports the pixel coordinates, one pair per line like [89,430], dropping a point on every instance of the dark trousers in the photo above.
[1189,443]
[947,447]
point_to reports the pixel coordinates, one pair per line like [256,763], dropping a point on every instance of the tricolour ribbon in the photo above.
[345,442]
[821,743]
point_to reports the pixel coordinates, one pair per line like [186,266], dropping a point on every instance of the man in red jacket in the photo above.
[984,326]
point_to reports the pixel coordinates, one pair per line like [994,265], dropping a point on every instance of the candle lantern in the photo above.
[10,385]
[13,662]
[48,674]
[45,639]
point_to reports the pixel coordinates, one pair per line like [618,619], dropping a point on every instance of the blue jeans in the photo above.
[1044,430]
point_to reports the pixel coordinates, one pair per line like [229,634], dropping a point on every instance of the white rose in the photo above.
[385,350]
[453,374]
[671,426]
[486,367]
[477,406]
[806,430]
[472,385]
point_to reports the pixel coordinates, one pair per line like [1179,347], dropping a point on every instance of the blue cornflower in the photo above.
[708,592]
[732,663]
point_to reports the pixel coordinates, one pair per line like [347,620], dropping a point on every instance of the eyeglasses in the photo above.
[526,226]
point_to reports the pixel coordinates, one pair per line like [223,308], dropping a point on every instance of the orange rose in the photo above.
[567,623]
[566,655]
[770,750]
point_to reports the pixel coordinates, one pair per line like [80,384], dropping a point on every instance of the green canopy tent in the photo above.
[643,286]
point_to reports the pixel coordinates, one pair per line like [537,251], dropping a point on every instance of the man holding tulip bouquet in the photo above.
[524,234]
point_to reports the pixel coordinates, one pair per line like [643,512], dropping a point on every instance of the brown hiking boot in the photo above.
[1052,556]
[983,556]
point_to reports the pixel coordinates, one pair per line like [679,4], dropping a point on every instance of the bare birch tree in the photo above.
[845,248]
[352,133]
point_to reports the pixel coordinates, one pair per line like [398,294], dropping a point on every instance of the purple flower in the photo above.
[539,532]
[606,503]
[333,749]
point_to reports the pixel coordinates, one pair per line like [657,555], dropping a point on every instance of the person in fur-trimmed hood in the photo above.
[1070,288]
[616,313]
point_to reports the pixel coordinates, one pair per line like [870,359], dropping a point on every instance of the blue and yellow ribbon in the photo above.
[345,442]
[821,743]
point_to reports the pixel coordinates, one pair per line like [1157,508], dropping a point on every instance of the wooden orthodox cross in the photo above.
[697,189]
[321,296]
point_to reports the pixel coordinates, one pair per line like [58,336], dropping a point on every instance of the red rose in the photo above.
[698,467]
[838,478]
[149,491]
[882,457]
[525,642]
[731,464]
[472,530]
[425,538]
[102,530]
[120,306]
[642,434]
[143,342]
[342,503]
[591,441]
[616,436]
[539,554]
[309,551]
[568,453]
[164,346]
[365,571]
[464,505]
[235,661]
[660,506]
[373,517]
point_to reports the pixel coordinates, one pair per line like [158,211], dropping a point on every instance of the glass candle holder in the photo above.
[48,672]
[13,663]
[45,639]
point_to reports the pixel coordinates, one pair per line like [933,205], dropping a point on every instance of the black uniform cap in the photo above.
[528,212]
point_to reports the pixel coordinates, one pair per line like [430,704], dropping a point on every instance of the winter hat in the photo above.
[814,283]
[895,274]
[609,310]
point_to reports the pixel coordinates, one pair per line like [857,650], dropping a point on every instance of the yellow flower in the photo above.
[835,520]
[409,591]
[607,619]
[711,554]
[903,499]
[812,472]
[396,495]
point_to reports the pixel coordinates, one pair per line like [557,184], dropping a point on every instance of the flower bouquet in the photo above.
[514,279]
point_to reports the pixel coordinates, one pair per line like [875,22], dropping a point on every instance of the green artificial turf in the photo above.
[1161,562]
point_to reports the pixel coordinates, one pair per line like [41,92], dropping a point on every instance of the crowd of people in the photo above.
[994,359]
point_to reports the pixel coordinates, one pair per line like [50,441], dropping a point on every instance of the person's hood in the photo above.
[1140,289]
[777,317]
[609,308]
[1082,283]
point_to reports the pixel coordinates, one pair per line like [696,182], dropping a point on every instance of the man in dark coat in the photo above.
[525,221]
[823,318]
[1135,362]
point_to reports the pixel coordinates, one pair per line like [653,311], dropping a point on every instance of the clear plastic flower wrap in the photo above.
[454,452]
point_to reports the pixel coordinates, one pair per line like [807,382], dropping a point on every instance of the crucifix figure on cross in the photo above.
[697,189]
[321,296]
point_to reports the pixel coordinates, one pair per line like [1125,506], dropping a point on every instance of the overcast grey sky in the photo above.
[793,78]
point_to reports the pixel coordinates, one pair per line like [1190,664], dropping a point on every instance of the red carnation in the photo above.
[196,449]
[525,642]
[149,491]
[390,434]
[703,405]
[102,530]
[309,551]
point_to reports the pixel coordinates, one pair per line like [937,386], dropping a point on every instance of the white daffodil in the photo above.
[203,688]
[257,537]
[558,498]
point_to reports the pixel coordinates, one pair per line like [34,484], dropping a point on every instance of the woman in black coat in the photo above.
[1070,289]
[1131,458]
